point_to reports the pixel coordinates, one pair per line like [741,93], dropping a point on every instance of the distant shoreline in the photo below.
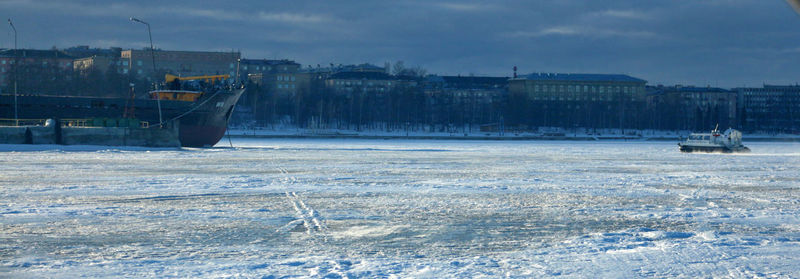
[492,138]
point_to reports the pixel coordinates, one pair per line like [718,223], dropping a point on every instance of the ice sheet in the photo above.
[399,208]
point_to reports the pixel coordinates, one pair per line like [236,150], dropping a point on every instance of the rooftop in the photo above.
[270,62]
[35,53]
[362,75]
[469,82]
[686,89]
[580,77]
[770,88]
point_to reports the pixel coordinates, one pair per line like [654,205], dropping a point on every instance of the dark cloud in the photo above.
[716,42]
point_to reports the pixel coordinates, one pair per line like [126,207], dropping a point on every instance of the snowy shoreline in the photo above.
[348,134]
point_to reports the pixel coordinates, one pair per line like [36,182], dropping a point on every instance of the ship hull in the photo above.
[711,149]
[201,123]
[205,126]
[200,136]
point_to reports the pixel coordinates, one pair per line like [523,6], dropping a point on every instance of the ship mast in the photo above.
[153,55]
[16,66]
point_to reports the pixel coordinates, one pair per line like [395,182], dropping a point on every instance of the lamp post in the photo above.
[153,56]
[16,115]
[796,6]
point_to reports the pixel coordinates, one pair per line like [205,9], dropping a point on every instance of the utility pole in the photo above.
[16,61]
[153,56]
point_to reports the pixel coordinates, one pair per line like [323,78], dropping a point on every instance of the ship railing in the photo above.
[22,122]
[105,122]
[76,122]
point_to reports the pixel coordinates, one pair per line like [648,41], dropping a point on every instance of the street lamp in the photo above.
[16,115]
[153,56]
[796,5]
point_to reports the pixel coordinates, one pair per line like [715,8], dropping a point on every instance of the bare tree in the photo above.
[399,67]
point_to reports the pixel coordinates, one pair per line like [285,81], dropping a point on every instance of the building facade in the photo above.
[346,83]
[457,100]
[276,76]
[577,100]
[98,63]
[181,63]
[772,108]
[691,108]
[275,83]
[86,51]
[32,62]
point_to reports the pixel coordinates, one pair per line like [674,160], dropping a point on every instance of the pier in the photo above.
[67,133]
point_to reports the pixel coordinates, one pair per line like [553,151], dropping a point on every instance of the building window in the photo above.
[293,78]
[139,62]
[139,71]
[124,63]
[4,62]
[231,65]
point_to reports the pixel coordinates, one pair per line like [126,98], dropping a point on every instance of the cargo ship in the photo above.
[200,106]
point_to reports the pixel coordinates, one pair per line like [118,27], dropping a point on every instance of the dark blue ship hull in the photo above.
[202,123]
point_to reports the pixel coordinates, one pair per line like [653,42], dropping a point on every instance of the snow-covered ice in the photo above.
[333,208]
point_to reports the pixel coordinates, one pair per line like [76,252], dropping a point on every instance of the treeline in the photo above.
[408,106]
[316,106]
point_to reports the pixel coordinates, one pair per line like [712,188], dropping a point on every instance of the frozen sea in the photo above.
[348,208]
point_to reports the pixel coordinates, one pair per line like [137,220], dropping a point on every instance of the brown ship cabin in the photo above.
[179,91]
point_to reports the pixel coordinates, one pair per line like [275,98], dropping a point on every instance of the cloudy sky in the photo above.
[725,43]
